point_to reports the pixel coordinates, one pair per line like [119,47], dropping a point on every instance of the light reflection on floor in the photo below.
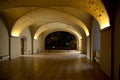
[51,66]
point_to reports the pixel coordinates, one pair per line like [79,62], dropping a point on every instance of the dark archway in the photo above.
[60,40]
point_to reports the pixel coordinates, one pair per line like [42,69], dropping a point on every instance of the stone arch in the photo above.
[47,32]
[35,17]
[58,26]
[55,25]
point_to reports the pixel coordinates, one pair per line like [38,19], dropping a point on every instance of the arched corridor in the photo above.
[61,32]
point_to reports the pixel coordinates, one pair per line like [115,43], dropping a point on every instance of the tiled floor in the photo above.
[51,66]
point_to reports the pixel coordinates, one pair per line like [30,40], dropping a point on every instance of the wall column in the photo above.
[88,47]
[15,47]
[105,62]
[92,49]
[9,48]
[32,44]
[82,50]
[35,44]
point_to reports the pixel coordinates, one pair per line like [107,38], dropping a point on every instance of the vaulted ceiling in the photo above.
[19,14]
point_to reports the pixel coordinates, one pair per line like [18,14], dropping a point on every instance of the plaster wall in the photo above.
[15,47]
[16,44]
[37,45]
[4,42]
[88,48]
[83,45]
[95,41]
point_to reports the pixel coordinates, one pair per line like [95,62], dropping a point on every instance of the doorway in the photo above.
[23,45]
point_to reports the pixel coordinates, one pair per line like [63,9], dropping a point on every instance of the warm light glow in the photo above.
[105,22]
[17,28]
[100,14]
[87,33]
[105,25]
[35,37]
[15,34]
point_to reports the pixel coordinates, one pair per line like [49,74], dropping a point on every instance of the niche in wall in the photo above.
[60,40]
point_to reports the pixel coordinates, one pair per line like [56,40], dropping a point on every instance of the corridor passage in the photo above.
[51,66]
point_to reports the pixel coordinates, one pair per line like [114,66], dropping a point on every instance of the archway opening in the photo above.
[60,40]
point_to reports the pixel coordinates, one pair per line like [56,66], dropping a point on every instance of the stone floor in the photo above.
[51,66]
